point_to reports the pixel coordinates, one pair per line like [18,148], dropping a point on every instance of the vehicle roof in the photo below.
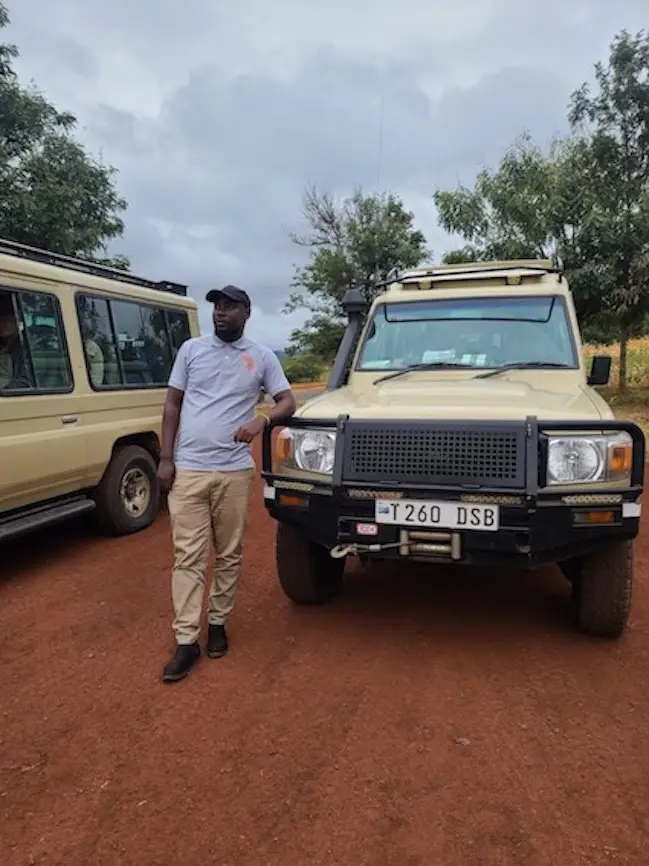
[545,265]
[509,277]
[20,262]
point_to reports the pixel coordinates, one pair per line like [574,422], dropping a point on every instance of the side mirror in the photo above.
[600,370]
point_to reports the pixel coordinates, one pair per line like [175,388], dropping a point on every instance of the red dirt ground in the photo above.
[446,719]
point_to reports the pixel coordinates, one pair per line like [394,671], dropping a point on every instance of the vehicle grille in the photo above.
[468,454]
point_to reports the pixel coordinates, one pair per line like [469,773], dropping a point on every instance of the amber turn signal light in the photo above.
[293,501]
[284,446]
[619,460]
[594,517]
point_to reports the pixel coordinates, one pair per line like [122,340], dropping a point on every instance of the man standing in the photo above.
[206,463]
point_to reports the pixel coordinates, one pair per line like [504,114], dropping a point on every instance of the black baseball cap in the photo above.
[232,292]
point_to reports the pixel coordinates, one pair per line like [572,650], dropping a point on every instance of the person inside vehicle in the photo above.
[13,370]
[94,354]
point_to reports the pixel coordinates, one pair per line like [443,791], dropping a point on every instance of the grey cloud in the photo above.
[215,177]
[248,148]
[73,55]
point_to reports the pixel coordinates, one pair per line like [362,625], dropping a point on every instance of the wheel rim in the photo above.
[135,492]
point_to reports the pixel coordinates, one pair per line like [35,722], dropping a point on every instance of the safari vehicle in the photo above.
[85,352]
[459,425]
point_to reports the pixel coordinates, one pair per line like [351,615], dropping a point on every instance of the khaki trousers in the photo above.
[204,506]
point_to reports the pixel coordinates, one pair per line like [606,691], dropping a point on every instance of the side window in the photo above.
[178,329]
[129,344]
[142,343]
[157,348]
[98,342]
[33,351]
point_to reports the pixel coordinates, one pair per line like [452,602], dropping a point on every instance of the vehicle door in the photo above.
[42,445]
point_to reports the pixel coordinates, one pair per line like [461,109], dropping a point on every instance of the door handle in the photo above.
[69,419]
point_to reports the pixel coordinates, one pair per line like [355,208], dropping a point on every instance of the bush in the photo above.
[303,368]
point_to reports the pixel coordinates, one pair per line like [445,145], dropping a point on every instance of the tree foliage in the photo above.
[352,245]
[586,200]
[506,214]
[53,194]
[615,122]
[303,368]
[534,205]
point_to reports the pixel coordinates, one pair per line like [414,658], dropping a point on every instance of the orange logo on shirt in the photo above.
[249,361]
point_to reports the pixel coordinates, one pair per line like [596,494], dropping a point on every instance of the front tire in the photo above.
[307,574]
[602,590]
[128,496]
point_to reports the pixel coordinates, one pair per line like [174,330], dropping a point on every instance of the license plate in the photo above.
[437,515]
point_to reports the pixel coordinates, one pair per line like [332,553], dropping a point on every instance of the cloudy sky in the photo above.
[217,114]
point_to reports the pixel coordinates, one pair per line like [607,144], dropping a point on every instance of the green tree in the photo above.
[616,121]
[586,200]
[507,213]
[302,368]
[53,194]
[534,205]
[352,245]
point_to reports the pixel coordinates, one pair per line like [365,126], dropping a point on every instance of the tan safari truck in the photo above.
[85,352]
[460,425]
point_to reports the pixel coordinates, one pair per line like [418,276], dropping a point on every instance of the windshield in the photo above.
[473,332]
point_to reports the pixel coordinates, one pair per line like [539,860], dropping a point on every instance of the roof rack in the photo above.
[12,248]
[449,273]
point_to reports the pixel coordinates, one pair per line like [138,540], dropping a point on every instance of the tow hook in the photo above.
[343,550]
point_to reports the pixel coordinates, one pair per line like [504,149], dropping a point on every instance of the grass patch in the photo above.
[633,405]
[637,361]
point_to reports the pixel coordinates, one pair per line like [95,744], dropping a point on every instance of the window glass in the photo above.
[178,329]
[142,343]
[15,369]
[130,344]
[98,342]
[474,332]
[33,354]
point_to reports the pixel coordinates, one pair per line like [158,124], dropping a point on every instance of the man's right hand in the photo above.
[166,473]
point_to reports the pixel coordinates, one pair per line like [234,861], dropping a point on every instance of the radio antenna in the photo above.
[379,164]
[379,160]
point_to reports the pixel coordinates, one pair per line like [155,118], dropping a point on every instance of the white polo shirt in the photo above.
[221,384]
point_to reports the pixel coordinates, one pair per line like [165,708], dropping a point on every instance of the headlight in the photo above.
[589,459]
[308,450]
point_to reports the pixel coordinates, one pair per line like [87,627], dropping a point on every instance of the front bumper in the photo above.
[537,525]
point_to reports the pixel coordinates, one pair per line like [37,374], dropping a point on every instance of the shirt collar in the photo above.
[241,344]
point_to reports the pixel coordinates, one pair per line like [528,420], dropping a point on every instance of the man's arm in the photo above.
[170,420]
[284,407]
[171,417]
[276,384]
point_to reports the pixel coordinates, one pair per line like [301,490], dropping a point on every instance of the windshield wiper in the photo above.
[522,365]
[435,365]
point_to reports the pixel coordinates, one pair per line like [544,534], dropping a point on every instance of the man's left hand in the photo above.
[248,432]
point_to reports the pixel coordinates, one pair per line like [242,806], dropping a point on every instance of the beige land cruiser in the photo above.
[460,425]
[85,352]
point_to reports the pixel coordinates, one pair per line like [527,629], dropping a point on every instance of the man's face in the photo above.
[229,319]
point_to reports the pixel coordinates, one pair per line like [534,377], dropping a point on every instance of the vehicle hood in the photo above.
[489,399]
